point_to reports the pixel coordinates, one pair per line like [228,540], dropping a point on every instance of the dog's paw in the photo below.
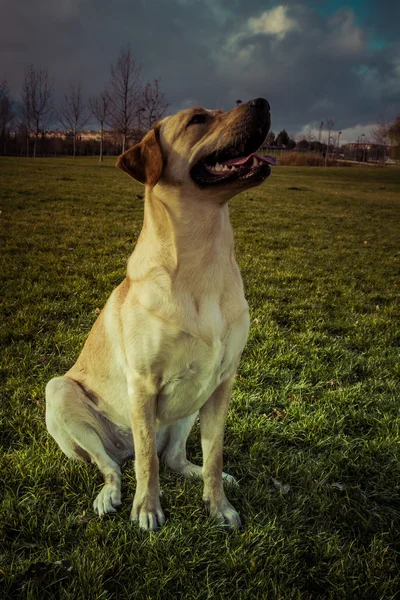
[108,498]
[149,515]
[224,514]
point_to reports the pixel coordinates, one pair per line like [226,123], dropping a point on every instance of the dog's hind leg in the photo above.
[82,434]
[174,454]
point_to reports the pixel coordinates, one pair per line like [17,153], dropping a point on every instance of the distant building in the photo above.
[394,148]
[90,135]
[365,146]
[62,134]
[365,151]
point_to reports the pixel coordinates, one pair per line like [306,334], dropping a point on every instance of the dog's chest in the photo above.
[196,368]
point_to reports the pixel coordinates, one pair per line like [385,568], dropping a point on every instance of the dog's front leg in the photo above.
[146,508]
[212,424]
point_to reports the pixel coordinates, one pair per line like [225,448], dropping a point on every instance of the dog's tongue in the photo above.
[248,159]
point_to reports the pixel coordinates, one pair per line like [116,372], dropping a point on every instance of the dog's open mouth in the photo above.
[232,164]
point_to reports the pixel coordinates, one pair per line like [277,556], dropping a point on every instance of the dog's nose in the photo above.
[260,104]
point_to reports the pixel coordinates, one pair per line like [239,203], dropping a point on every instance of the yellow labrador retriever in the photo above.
[166,346]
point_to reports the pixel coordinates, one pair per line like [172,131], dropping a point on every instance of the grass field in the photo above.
[313,430]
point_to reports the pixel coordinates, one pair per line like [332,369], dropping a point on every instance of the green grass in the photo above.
[315,404]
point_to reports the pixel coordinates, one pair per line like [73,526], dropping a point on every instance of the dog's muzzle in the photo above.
[239,162]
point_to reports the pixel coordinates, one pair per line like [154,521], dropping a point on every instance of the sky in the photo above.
[312,60]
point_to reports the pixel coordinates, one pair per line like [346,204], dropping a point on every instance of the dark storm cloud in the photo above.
[313,69]
[309,66]
[384,18]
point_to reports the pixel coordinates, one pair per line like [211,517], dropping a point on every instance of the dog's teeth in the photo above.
[225,168]
[255,162]
[233,168]
[218,167]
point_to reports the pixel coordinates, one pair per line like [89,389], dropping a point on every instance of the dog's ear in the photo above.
[144,161]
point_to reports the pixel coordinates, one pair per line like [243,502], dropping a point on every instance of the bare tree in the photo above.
[155,104]
[318,147]
[380,133]
[6,112]
[37,102]
[73,115]
[329,125]
[394,131]
[24,118]
[270,139]
[310,137]
[125,93]
[100,109]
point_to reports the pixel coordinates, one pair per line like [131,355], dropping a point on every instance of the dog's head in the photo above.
[204,150]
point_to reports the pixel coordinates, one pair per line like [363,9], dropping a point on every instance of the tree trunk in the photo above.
[74,151]
[27,145]
[34,146]
[327,150]
[101,143]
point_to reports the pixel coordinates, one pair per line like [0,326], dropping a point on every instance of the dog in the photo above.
[166,346]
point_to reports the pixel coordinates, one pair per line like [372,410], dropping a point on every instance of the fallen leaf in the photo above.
[278,414]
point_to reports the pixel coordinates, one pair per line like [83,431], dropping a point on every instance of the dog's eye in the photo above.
[198,118]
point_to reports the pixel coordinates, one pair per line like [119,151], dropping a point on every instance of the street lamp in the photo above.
[357,144]
[363,135]
[338,139]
